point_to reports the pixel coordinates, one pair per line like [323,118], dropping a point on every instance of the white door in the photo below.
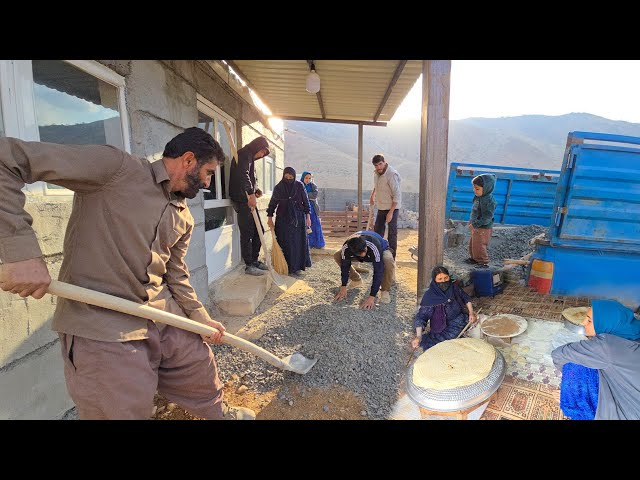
[222,236]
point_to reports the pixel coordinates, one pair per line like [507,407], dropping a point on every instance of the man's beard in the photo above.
[193,186]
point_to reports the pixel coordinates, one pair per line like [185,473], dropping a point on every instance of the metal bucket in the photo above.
[576,326]
[573,327]
[458,398]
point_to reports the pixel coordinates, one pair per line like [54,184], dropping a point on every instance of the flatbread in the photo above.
[575,314]
[454,363]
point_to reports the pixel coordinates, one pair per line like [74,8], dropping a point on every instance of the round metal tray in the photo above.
[521,321]
[461,397]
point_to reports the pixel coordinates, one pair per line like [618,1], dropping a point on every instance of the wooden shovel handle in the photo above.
[99,299]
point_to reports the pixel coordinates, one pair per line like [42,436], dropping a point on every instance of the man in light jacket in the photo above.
[388,199]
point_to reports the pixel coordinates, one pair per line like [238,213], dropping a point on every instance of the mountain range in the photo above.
[330,150]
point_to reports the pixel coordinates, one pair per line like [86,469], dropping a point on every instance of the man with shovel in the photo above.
[127,236]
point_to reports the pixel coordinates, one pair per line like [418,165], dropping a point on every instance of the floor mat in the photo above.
[520,399]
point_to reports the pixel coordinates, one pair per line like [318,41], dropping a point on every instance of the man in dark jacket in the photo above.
[366,246]
[242,191]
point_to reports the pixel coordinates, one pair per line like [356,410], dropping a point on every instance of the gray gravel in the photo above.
[363,351]
[506,242]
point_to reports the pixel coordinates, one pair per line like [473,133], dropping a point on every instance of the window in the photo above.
[218,210]
[74,107]
[265,174]
[64,101]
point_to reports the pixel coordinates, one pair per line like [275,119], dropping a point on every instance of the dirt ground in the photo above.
[289,403]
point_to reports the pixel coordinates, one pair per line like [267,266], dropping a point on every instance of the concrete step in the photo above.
[237,293]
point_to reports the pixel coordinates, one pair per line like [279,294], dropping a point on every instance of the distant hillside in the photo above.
[530,141]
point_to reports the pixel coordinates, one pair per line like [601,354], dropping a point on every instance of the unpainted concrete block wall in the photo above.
[31,371]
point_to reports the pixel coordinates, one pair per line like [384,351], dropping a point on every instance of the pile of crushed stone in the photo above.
[363,351]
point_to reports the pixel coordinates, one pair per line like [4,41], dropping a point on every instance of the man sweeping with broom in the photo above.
[242,191]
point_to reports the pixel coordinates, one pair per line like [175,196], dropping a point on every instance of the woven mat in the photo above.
[520,399]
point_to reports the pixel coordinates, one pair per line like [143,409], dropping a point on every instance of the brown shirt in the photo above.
[127,234]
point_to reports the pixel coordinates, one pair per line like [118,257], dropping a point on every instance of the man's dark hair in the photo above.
[357,245]
[377,159]
[478,181]
[196,140]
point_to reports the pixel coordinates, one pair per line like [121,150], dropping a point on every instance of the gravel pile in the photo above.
[363,351]
[507,242]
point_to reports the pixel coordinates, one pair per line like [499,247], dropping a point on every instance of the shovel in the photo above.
[297,362]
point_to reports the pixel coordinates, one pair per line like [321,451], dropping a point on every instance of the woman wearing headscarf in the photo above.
[601,375]
[316,238]
[290,203]
[445,306]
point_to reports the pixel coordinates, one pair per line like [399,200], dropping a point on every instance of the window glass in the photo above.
[207,123]
[73,107]
[224,167]
[217,217]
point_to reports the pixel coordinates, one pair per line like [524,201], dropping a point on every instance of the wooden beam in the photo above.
[392,83]
[434,137]
[319,97]
[360,128]
[331,120]
[241,74]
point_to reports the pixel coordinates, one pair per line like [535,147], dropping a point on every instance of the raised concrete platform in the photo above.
[237,293]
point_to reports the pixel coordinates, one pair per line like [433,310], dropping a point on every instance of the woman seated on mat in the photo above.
[445,305]
[601,375]
[290,203]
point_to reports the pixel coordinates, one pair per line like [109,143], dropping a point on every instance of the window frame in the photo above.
[19,108]
[217,115]
[270,160]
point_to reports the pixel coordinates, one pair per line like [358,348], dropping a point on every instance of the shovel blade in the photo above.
[298,363]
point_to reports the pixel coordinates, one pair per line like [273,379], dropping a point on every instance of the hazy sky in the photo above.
[505,88]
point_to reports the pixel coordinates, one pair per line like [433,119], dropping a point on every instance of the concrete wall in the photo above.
[161,102]
[335,199]
[31,373]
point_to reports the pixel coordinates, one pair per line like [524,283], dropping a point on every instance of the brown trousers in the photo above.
[478,243]
[388,275]
[118,380]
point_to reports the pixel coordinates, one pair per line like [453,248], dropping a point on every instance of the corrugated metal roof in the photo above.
[349,89]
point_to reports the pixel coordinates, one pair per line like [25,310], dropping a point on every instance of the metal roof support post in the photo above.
[360,128]
[434,137]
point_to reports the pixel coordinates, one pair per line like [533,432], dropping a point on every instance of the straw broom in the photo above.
[277,256]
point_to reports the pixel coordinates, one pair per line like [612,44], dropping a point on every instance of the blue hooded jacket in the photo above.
[484,207]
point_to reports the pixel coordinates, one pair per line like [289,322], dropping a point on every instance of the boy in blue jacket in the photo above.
[481,221]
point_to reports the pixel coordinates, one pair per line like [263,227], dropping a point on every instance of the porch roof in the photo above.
[351,91]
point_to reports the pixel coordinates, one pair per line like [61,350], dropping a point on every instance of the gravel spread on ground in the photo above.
[364,351]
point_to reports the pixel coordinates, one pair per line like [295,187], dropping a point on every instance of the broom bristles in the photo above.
[278,261]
